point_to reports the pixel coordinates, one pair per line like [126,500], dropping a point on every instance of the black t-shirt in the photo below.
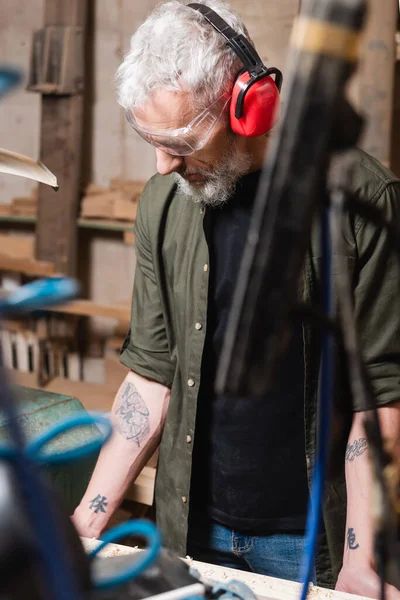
[249,469]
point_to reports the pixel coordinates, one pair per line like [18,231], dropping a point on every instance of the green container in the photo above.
[40,410]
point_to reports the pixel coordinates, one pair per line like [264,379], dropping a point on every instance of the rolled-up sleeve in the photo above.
[146,349]
[377,299]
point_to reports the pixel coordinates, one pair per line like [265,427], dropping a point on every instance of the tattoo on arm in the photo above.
[132,415]
[355,449]
[351,539]
[98,504]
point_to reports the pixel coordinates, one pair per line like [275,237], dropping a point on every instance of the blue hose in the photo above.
[324,414]
[61,580]
[144,529]
[32,450]
[34,447]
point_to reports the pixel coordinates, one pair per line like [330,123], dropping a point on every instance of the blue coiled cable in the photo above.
[144,529]
[61,580]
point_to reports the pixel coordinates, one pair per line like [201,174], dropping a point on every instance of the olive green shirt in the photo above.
[169,322]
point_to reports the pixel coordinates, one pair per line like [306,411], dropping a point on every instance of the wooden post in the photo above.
[375,79]
[61,132]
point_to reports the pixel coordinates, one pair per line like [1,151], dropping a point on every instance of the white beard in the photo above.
[220,183]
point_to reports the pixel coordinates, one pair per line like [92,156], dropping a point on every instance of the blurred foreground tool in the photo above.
[317,121]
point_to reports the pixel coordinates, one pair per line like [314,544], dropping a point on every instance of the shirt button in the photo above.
[205,268]
[198,326]
[188,439]
[190,382]
[184,499]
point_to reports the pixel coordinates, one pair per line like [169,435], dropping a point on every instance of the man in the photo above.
[241,466]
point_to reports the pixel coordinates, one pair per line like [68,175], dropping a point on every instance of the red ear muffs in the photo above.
[254,108]
[255,105]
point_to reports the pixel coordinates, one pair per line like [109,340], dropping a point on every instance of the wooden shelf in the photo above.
[105,224]
[28,266]
[88,308]
[101,224]
[16,219]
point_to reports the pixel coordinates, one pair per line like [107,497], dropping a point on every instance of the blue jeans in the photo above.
[277,555]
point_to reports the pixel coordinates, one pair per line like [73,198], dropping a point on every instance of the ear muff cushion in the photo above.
[261,106]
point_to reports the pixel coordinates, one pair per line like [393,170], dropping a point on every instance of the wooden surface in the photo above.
[61,152]
[264,587]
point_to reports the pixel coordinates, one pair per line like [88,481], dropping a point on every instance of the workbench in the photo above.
[265,588]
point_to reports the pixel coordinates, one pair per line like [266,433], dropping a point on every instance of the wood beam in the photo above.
[61,152]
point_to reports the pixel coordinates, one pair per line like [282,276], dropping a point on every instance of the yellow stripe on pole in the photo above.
[327,39]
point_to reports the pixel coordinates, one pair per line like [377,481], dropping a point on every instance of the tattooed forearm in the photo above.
[356,448]
[99,504]
[351,539]
[132,415]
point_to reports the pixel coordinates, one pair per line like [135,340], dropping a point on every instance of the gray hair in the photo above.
[176,49]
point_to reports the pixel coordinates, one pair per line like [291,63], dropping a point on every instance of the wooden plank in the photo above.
[28,266]
[375,79]
[16,255]
[17,245]
[61,151]
[114,205]
[264,587]
[88,308]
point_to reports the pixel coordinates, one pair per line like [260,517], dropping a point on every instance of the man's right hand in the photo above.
[85,527]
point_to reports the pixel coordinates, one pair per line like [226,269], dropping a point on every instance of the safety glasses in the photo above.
[186,140]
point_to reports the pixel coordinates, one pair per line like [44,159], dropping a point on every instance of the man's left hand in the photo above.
[363,581]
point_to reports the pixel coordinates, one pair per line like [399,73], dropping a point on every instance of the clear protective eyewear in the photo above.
[186,140]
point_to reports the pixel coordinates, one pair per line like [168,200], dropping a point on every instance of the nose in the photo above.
[167,163]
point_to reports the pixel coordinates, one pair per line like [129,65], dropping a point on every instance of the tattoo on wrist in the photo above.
[98,504]
[355,449]
[351,539]
[132,415]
